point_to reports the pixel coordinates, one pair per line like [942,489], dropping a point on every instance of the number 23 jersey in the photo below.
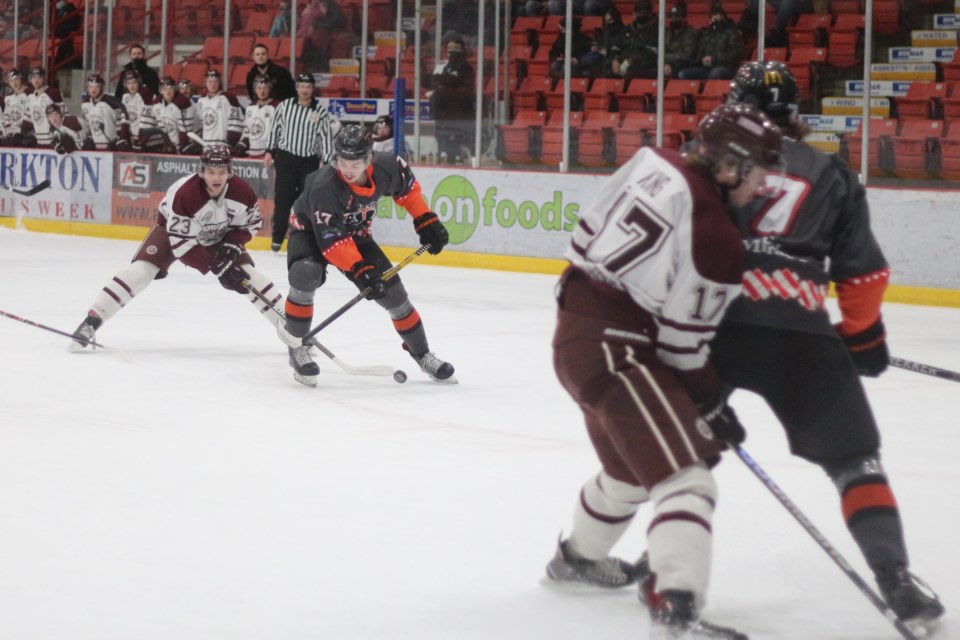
[660,232]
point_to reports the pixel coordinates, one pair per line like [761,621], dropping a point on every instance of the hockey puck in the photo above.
[400,376]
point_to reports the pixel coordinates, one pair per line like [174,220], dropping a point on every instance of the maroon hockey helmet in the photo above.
[95,78]
[213,73]
[14,73]
[216,155]
[53,107]
[39,72]
[131,74]
[167,81]
[743,134]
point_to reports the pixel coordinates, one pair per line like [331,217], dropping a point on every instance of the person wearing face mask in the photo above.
[452,101]
[138,63]
[580,48]
[720,48]
[597,62]
[559,7]
[67,23]
[681,42]
[634,55]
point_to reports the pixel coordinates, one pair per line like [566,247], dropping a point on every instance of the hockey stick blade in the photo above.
[40,186]
[926,369]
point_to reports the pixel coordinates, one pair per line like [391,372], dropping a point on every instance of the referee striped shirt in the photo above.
[302,131]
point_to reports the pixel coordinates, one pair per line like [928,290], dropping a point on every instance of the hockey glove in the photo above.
[366,275]
[122,145]
[431,232]
[724,423]
[868,349]
[233,279]
[240,151]
[227,254]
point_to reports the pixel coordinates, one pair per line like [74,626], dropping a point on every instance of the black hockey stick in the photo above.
[825,545]
[368,370]
[389,273]
[926,369]
[86,342]
[40,186]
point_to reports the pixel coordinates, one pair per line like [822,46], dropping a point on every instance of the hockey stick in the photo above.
[389,273]
[91,343]
[825,544]
[368,370]
[919,367]
[200,141]
[40,186]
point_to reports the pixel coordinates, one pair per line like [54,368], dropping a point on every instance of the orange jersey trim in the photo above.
[867,496]
[413,201]
[405,324]
[299,311]
[363,192]
[343,254]
[860,300]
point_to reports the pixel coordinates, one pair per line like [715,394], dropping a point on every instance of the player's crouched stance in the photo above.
[204,221]
[631,348]
[330,224]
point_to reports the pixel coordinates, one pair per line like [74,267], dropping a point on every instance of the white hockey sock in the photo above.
[679,540]
[124,286]
[264,285]
[604,511]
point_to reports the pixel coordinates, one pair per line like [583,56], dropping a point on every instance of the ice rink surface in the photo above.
[199,493]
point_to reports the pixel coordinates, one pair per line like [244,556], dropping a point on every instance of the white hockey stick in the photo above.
[200,141]
[366,370]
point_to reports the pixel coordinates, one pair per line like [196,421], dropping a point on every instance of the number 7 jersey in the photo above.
[659,231]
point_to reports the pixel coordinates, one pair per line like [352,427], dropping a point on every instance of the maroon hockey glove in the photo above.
[366,275]
[724,423]
[868,349]
[431,232]
[227,254]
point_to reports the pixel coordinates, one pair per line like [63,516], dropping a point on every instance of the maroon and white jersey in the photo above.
[69,136]
[256,127]
[174,118]
[222,118]
[35,118]
[14,108]
[196,221]
[135,104]
[107,121]
[660,232]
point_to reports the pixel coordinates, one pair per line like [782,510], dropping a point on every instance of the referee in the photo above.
[300,139]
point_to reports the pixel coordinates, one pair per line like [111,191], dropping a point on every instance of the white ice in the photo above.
[199,493]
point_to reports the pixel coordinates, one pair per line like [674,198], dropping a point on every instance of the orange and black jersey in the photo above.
[815,231]
[336,211]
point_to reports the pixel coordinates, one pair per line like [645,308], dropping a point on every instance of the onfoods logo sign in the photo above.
[462,209]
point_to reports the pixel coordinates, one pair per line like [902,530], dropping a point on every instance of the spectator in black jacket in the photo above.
[453,101]
[138,63]
[580,46]
[283,86]
[66,26]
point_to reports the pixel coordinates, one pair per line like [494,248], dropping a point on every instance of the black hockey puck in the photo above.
[400,376]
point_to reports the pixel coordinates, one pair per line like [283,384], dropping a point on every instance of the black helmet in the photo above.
[770,87]
[216,155]
[353,142]
[740,132]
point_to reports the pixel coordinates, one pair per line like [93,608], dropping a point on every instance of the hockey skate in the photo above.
[305,370]
[912,599]
[438,370]
[85,333]
[609,573]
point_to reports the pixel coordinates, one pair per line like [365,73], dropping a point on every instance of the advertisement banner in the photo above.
[879,88]
[142,181]
[80,185]
[495,212]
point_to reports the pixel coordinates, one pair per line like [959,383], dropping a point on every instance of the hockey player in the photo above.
[136,101]
[777,340]
[330,225]
[220,113]
[166,121]
[259,119]
[655,261]
[204,221]
[35,129]
[66,132]
[14,105]
[106,117]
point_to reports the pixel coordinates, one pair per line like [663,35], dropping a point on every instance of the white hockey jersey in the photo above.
[106,120]
[222,118]
[35,118]
[175,118]
[135,104]
[14,107]
[660,232]
[256,127]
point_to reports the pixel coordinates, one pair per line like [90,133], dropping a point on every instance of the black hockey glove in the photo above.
[227,254]
[366,275]
[723,422]
[240,151]
[233,279]
[122,145]
[868,349]
[432,232]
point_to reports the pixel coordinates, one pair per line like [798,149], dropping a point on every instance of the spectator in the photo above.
[138,63]
[67,24]
[787,10]
[383,136]
[221,115]
[66,133]
[559,7]
[634,55]
[597,62]
[452,101]
[328,21]
[281,23]
[720,48]
[280,77]
[310,13]
[106,117]
[580,46]
[681,42]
